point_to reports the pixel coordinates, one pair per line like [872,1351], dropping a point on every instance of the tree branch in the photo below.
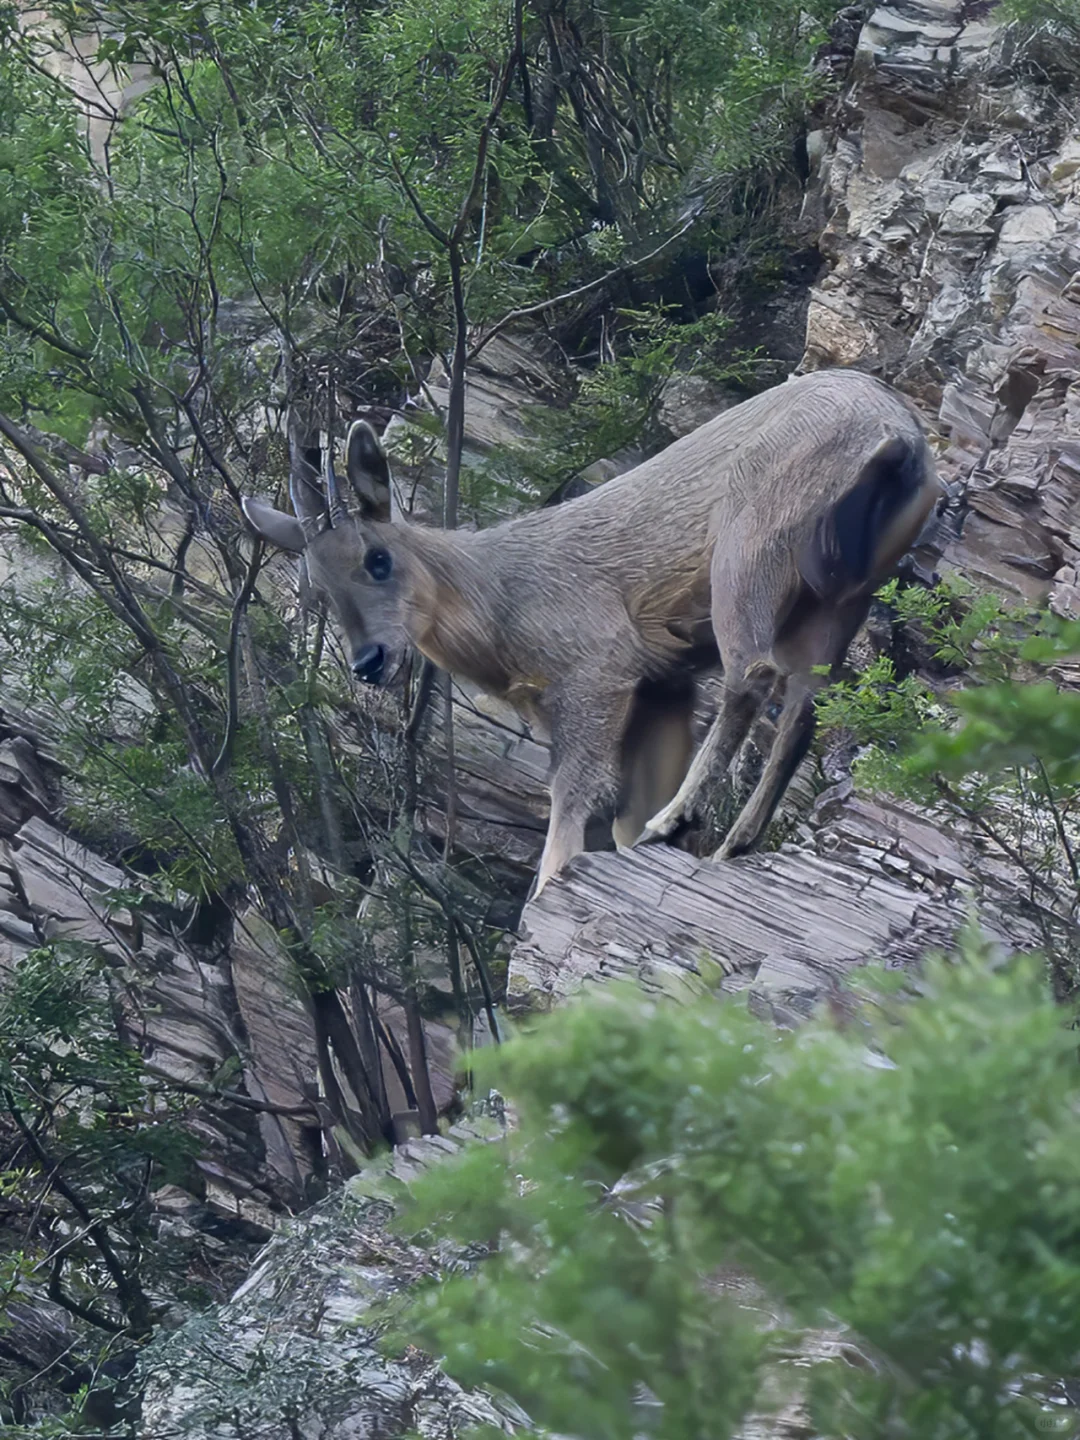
[51,337]
[59,1297]
[541,305]
[132,1300]
[117,594]
[468,204]
[240,604]
[435,231]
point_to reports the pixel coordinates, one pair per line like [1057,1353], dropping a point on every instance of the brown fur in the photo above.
[759,538]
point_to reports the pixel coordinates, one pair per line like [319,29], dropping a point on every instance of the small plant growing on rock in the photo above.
[992,741]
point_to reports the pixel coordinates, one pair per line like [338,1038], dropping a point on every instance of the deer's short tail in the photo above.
[863,535]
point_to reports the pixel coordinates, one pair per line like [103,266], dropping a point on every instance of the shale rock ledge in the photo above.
[869,882]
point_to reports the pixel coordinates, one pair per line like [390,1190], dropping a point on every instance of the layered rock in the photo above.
[876,883]
[949,192]
[192,1012]
[296,1350]
[945,182]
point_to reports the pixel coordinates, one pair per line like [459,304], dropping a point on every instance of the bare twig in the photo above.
[132,1300]
[541,305]
[240,604]
[1059,824]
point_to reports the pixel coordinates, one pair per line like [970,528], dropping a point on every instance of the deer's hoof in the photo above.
[734,845]
[665,827]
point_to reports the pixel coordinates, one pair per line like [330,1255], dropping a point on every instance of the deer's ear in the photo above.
[279,529]
[368,471]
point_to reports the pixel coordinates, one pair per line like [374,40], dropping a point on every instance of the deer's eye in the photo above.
[378,564]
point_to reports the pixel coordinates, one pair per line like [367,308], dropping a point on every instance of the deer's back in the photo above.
[772,464]
[755,479]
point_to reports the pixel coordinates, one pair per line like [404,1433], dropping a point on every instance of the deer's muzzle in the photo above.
[368,664]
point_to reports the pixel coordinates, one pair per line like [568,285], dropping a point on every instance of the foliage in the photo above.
[998,750]
[1060,17]
[86,1132]
[291,147]
[1007,724]
[963,632]
[132,781]
[909,1176]
[264,203]
[875,707]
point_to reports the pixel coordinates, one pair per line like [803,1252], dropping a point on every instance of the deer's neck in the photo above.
[456,608]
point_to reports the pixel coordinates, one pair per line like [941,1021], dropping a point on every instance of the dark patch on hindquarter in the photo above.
[840,555]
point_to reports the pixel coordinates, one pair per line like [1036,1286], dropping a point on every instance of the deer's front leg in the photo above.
[566,832]
[586,740]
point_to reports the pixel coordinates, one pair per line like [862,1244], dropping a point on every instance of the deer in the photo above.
[754,544]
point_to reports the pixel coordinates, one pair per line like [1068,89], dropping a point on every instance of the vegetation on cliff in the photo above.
[905,1170]
[329,207]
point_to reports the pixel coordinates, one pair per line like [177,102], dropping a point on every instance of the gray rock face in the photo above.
[952,237]
[688,401]
[187,1011]
[295,1352]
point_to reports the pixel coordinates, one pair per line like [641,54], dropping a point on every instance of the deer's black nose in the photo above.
[368,664]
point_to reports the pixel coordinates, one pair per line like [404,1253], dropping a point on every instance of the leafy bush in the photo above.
[911,1175]
[991,739]
[85,1133]
[1060,17]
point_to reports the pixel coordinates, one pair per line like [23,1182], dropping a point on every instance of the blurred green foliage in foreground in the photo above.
[909,1172]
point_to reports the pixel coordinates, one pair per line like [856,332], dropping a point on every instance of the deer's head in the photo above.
[353,554]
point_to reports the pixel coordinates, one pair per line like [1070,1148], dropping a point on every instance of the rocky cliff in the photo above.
[944,187]
[942,207]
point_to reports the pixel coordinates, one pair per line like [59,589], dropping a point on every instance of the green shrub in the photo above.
[912,1176]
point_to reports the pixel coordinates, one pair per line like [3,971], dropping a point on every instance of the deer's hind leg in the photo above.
[655,755]
[746,688]
[790,744]
[742,613]
[820,640]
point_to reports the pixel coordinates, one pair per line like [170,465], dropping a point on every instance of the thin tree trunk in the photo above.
[455,446]
[418,1064]
[455,410]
